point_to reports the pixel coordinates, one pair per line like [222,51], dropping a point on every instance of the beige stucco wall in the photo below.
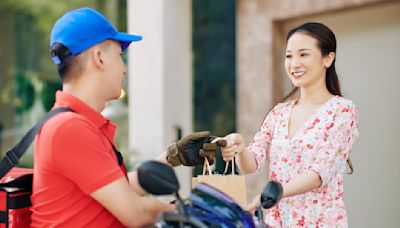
[368,34]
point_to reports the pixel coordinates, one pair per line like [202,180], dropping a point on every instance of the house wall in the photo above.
[367,34]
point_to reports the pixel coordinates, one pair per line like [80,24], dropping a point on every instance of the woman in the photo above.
[307,140]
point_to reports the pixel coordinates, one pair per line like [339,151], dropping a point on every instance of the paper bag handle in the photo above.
[207,166]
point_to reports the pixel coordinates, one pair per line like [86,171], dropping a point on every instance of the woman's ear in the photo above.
[328,60]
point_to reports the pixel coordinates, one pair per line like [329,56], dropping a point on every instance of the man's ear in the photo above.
[328,60]
[97,57]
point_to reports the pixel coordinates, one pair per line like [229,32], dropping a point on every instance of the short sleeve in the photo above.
[80,154]
[339,137]
[261,142]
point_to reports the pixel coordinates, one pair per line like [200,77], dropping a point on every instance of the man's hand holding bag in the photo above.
[192,149]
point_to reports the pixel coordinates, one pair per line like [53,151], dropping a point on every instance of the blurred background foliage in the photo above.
[214,84]
[28,77]
[31,22]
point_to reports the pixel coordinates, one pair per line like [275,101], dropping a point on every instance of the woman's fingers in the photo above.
[229,142]
[229,153]
[231,149]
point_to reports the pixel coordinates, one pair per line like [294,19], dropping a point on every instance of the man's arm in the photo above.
[133,179]
[163,158]
[127,206]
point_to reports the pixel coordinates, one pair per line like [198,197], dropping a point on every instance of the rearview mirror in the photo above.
[271,194]
[157,178]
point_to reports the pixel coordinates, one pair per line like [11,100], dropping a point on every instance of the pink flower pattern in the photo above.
[323,145]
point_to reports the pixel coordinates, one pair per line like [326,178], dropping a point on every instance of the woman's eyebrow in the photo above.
[303,49]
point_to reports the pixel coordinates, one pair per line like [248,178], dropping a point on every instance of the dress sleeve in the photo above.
[339,137]
[83,157]
[260,144]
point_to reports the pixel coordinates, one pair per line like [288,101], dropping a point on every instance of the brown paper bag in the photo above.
[232,185]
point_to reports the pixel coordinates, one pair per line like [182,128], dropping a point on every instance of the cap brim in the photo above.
[125,39]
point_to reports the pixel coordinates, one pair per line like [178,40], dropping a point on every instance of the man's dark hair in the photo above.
[63,54]
[66,60]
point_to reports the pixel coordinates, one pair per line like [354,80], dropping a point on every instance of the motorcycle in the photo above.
[206,205]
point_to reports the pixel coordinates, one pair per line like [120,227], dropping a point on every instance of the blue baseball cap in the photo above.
[83,28]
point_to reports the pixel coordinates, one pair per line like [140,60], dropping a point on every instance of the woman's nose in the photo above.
[295,62]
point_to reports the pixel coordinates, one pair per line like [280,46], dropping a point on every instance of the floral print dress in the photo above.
[322,145]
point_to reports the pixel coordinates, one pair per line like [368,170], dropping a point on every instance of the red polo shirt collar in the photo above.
[64,99]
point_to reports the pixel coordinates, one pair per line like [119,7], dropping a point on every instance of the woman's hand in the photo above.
[234,146]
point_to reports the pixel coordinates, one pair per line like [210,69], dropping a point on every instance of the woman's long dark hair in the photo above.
[326,42]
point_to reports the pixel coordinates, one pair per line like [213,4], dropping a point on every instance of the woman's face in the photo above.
[304,63]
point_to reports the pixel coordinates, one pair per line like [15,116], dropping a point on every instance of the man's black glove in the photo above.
[210,147]
[271,195]
[191,150]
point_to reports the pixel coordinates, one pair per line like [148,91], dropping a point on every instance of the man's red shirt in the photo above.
[73,157]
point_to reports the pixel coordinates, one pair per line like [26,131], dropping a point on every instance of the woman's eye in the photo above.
[303,54]
[288,56]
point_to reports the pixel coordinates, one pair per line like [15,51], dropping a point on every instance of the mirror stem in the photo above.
[181,208]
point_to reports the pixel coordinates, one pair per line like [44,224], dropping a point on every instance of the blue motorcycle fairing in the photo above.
[214,207]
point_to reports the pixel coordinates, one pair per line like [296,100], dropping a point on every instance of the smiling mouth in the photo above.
[297,74]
